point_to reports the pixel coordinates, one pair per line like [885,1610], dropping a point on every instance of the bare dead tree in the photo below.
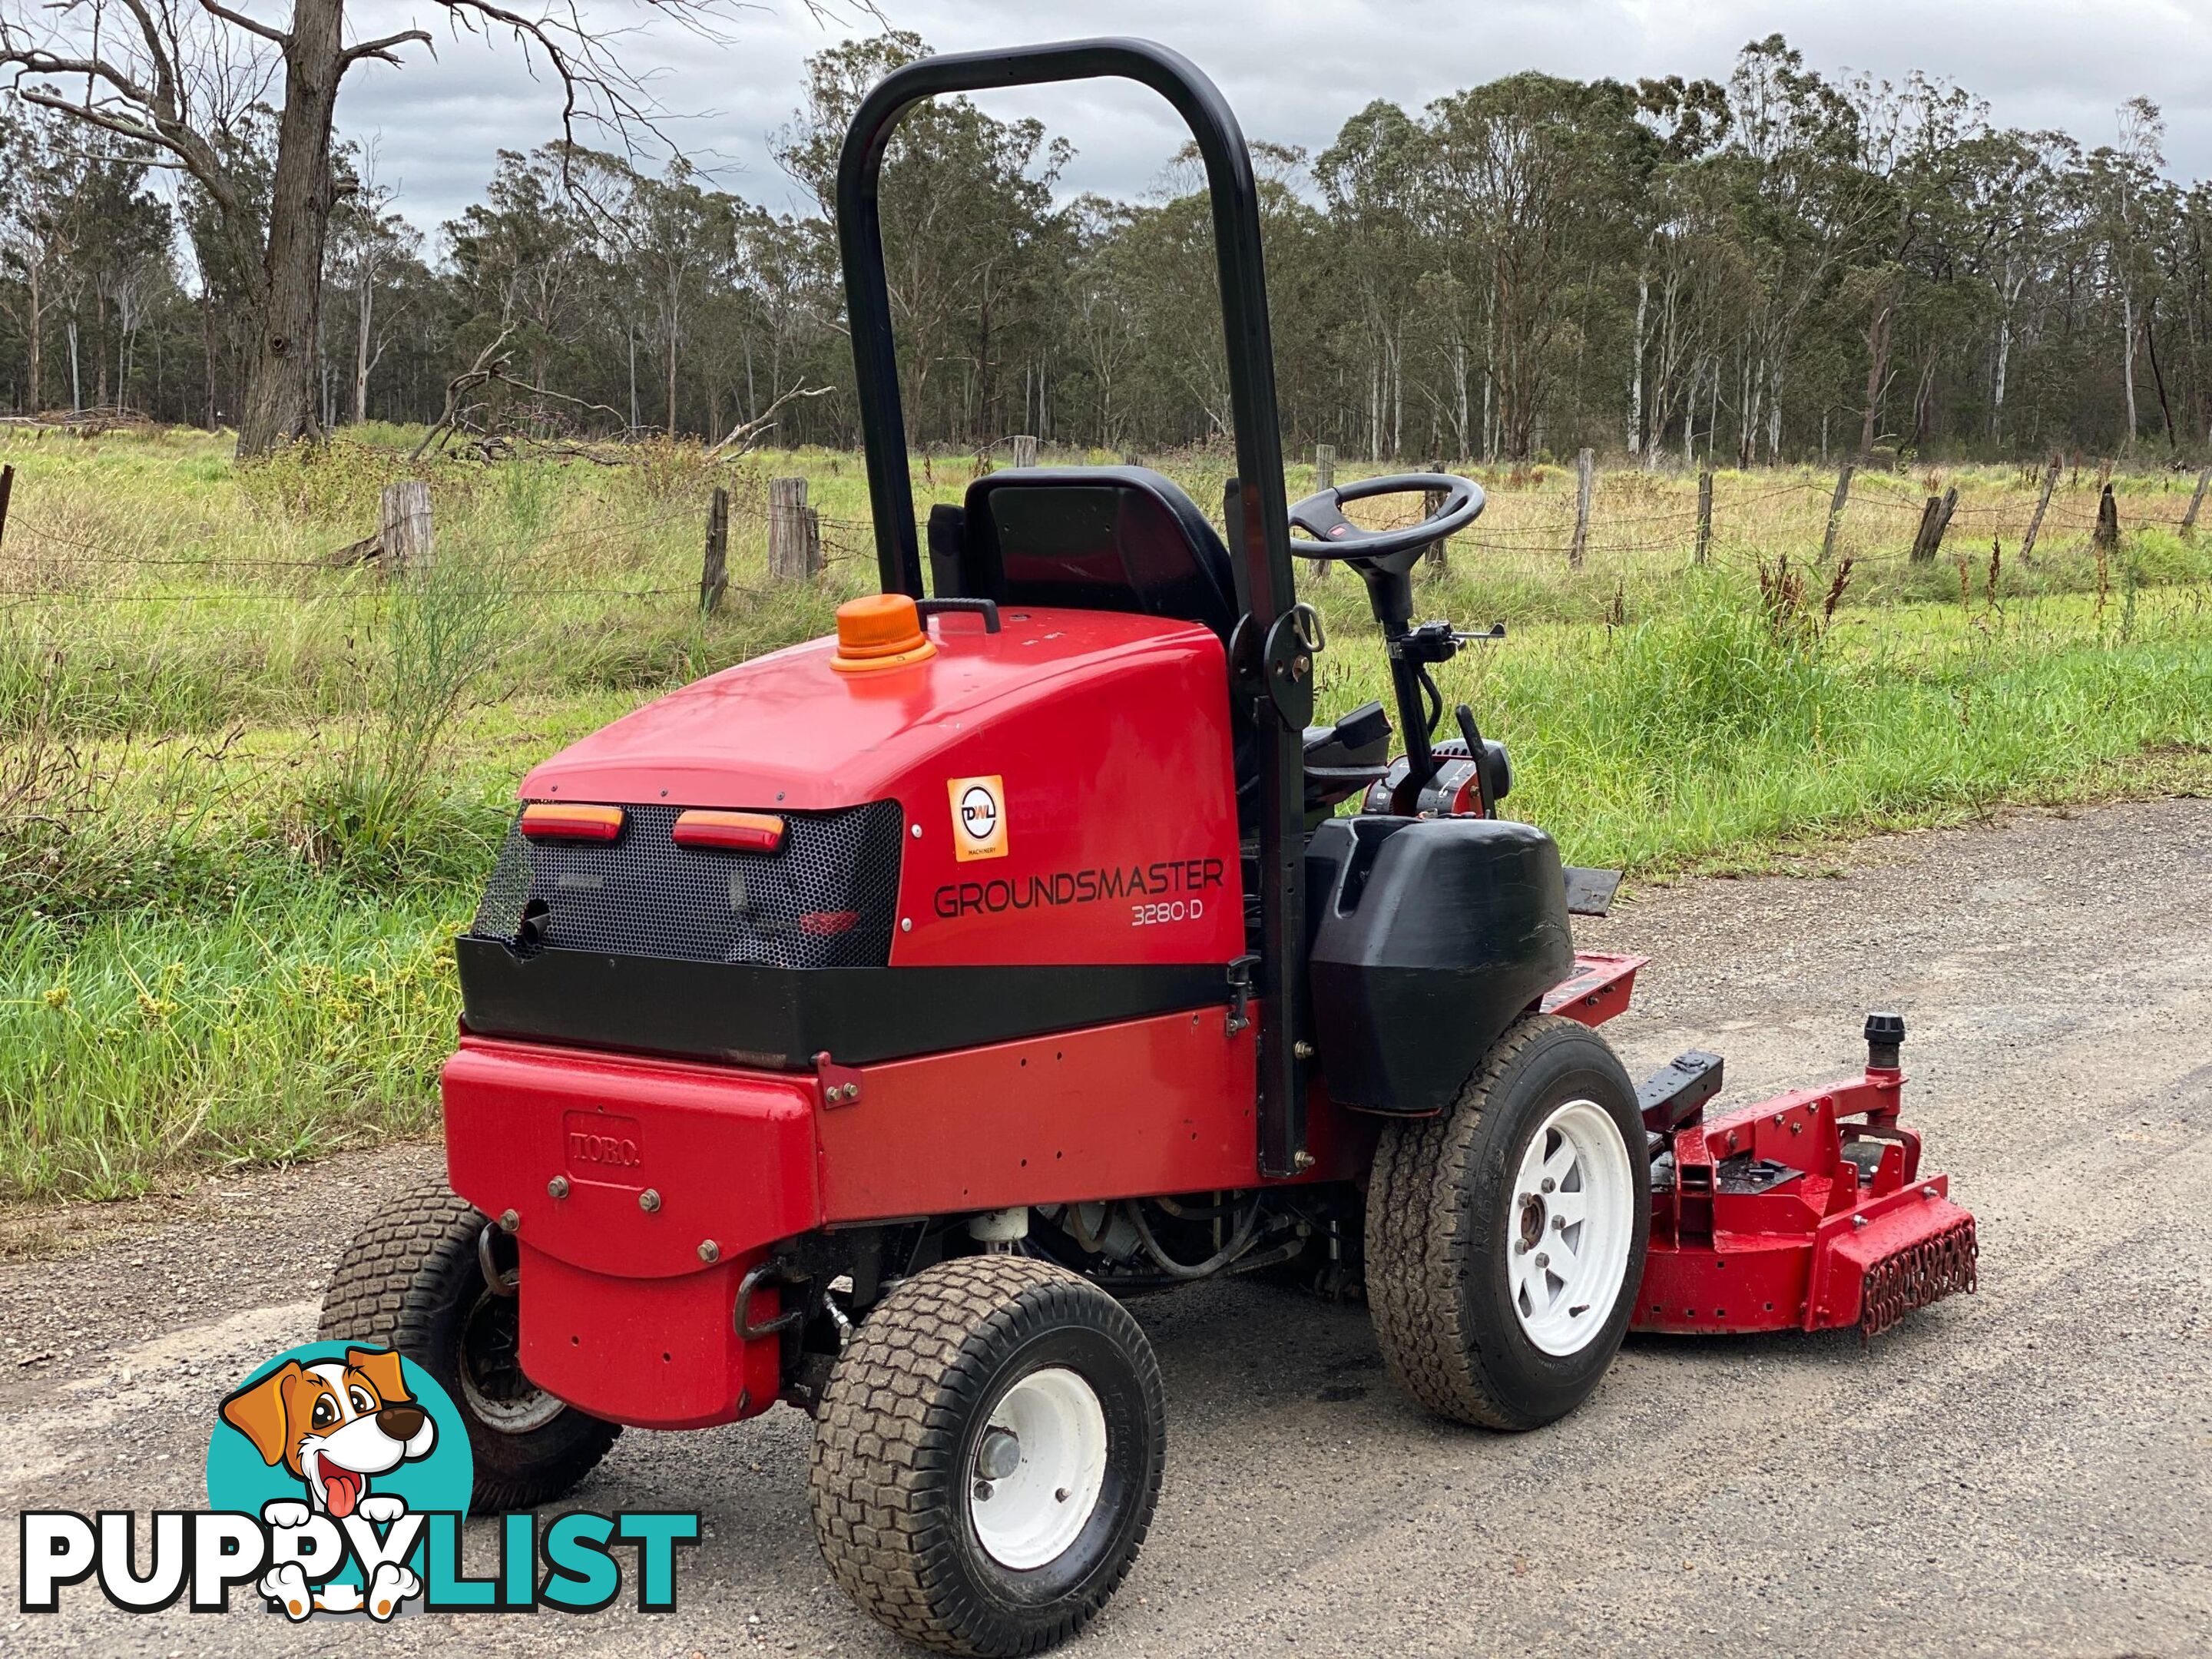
[162,70]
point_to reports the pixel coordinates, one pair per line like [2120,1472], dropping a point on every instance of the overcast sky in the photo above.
[1293,70]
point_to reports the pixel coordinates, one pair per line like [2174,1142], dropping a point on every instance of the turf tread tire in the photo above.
[889,1433]
[1422,1241]
[404,1280]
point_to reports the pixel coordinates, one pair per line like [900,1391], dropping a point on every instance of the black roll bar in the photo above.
[1278,672]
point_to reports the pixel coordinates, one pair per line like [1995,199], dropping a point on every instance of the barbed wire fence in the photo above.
[44,564]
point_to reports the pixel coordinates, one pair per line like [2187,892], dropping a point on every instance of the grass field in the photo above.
[246,796]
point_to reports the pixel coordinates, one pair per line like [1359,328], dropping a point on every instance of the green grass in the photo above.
[245,798]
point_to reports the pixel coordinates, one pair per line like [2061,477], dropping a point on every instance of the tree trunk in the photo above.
[38,335]
[2158,375]
[365,313]
[2127,356]
[1636,371]
[207,344]
[279,403]
[1877,372]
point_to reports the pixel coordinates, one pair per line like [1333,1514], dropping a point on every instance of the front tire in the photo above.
[987,1454]
[411,1280]
[1506,1235]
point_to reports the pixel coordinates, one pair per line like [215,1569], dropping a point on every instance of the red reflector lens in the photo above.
[741,832]
[547,820]
[827,924]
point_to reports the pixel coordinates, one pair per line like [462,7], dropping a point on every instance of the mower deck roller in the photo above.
[863,1026]
[1807,1211]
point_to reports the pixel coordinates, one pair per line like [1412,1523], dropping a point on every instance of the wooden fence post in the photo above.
[2035,520]
[1025,448]
[2188,519]
[1324,479]
[794,532]
[408,539]
[1585,485]
[7,489]
[2107,535]
[1430,500]
[1704,515]
[714,572]
[1836,512]
[1928,514]
[1934,519]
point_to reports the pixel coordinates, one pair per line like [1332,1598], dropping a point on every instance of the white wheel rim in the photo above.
[1567,1231]
[1031,1517]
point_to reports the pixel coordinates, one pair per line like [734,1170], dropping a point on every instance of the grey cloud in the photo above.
[1293,71]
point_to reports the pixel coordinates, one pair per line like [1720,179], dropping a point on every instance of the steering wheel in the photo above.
[1321,516]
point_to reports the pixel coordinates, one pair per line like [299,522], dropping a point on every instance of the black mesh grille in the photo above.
[824,899]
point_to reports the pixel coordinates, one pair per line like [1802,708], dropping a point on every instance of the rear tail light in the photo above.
[547,820]
[739,832]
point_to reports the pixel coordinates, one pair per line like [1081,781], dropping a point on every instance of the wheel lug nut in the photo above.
[1549,1184]
[1543,1261]
[983,1489]
[1059,1495]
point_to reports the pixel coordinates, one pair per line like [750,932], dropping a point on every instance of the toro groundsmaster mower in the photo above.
[861,1026]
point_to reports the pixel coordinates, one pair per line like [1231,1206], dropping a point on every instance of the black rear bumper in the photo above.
[751,1014]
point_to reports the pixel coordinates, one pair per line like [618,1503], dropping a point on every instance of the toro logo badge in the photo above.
[337,1478]
[979,817]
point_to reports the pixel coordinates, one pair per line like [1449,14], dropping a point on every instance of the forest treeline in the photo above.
[1787,265]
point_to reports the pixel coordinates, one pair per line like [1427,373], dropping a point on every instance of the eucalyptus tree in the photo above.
[120,238]
[37,180]
[2128,199]
[1803,210]
[524,259]
[1375,181]
[968,215]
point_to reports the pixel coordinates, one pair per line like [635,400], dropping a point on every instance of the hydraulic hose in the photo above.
[1238,1243]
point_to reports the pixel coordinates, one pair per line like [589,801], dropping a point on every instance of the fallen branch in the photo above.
[491,366]
[359,552]
[747,434]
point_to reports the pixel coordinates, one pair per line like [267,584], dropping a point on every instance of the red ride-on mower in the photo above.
[861,1026]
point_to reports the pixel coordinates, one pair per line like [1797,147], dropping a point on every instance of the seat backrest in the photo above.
[1095,538]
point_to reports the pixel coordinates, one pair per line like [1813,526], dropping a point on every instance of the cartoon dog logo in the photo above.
[335,1427]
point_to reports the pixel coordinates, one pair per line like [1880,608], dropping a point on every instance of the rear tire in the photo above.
[1541,1160]
[411,1279]
[929,1518]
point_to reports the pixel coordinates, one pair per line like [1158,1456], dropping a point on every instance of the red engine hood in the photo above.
[787,729]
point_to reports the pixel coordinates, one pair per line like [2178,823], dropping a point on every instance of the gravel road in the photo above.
[2028,1470]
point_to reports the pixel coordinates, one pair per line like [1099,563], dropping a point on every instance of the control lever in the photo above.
[1439,642]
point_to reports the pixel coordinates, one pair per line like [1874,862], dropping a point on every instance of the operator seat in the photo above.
[1090,538]
[1097,539]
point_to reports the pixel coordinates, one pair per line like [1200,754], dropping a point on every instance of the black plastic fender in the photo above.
[1430,936]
